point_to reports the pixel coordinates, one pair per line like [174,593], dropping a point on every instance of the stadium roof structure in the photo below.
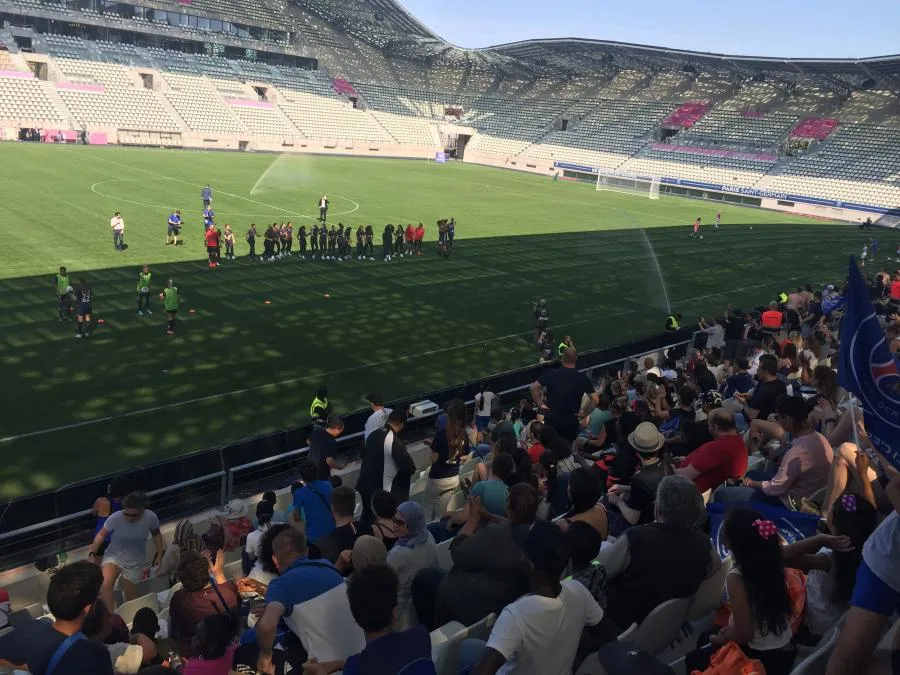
[389,26]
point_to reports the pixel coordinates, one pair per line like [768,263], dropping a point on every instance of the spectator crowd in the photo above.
[548,535]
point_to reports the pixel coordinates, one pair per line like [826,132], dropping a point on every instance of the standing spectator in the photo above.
[264,569]
[320,408]
[484,402]
[372,594]
[540,632]
[104,507]
[312,504]
[199,598]
[564,387]
[450,445]
[719,460]
[272,498]
[662,560]
[311,598]
[323,447]
[72,592]
[127,531]
[415,550]
[386,463]
[117,224]
[345,532]
[379,415]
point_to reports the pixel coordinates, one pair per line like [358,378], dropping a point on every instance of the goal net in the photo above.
[644,186]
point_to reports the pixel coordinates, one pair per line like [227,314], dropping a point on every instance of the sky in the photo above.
[789,28]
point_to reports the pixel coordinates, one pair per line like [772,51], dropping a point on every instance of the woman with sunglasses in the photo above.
[415,550]
[125,556]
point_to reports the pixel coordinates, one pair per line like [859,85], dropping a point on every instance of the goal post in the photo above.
[633,184]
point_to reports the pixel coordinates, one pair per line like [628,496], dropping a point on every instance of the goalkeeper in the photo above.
[64,293]
[143,291]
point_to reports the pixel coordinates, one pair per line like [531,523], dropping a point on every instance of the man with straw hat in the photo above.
[633,504]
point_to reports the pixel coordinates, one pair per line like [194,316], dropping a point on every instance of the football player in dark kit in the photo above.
[386,242]
[301,241]
[251,241]
[398,241]
[323,242]
[287,238]
[541,317]
[369,250]
[314,241]
[269,244]
[84,301]
[360,242]
[332,242]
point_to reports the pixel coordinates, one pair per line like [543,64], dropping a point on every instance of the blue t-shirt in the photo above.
[407,652]
[739,383]
[315,500]
[35,643]
[493,494]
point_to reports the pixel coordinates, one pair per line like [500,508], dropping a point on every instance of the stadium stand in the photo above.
[198,103]
[742,130]
[693,163]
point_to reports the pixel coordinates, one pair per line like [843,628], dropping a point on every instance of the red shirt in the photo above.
[535,452]
[410,233]
[895,290]
[722,458]
[212,237]
[771,318]
[420,233]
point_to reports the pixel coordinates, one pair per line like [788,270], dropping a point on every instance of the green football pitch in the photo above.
[130,394]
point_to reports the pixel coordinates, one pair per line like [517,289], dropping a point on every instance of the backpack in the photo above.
[731,660]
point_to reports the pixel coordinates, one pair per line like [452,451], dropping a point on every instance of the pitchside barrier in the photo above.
[50,523]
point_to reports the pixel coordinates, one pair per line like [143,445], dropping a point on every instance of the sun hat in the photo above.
[646,439]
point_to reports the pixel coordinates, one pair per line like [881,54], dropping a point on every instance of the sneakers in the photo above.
[149,311]
[170,331]
[77,336]
[140,313]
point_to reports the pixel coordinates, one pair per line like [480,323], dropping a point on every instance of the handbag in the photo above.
[730,659]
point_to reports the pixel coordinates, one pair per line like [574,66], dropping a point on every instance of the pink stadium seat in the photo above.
[687,114]
[341,86]
[815,127]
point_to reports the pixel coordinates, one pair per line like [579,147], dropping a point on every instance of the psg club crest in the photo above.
[869,371]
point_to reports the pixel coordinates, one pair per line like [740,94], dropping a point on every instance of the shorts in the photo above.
[212,249]
[83,309]
[173,230]
[131,571]
[482,421]
[872,594]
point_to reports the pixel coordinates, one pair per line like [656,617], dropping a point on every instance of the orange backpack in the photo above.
[730,659]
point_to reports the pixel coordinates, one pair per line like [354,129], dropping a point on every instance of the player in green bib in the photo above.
[170,299]
[63,293]
[143,291]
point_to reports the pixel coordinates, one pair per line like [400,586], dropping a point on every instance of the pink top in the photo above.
[804,468]
[220,666]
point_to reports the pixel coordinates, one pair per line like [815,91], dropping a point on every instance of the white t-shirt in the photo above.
[483,403]
[376,420]
[254,539]
[390,467]
[882,551]
[821,612]
[117,223]
[767,641]
[536,634]
[128,543]
[126,658]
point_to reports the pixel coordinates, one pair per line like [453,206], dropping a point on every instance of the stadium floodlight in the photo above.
[629,183]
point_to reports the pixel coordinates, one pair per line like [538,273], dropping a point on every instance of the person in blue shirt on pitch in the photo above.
[174,228]
[208,218]
[206,196]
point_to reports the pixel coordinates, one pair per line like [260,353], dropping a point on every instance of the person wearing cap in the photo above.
[386,464]
[541,631]
[633,504]
[723,458]
[661,560]
[379,415]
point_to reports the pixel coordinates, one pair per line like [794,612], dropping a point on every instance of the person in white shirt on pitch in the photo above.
[117,223]
[379,415]
[541,631]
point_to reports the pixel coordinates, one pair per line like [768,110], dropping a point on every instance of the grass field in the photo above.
[131,394]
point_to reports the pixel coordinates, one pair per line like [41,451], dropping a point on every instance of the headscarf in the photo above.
[368,551]
[415,524]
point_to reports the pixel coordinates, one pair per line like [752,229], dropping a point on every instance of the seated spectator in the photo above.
[541,631]
[565,462]
[312,504]
[803,470]
[384,506]
[593,434]
[554,489]
[272,498]
[128,654]
[346,530]
[372,593]
[73,591]
[289,513]
[367,551]
[494,489]
[876,596]
[199,597]
[585,543]
[214,646]
[487,571]
[757,591]
[831,561]
[415,550]
[705,380]
[505,444]
[659,561]
[585,492]
[722,459]
[184,540]
[264,569]
[769,389]
[311,597]
[739,381]
[531,439]
[633,504]
[250,553]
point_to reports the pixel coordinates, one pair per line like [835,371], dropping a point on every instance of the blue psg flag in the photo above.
[868,370]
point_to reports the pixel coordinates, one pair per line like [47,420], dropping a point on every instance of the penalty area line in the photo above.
[281,383]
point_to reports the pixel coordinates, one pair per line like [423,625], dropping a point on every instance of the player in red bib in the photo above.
[696,232]
[212,246]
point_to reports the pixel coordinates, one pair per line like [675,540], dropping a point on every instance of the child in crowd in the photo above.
[214,644]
